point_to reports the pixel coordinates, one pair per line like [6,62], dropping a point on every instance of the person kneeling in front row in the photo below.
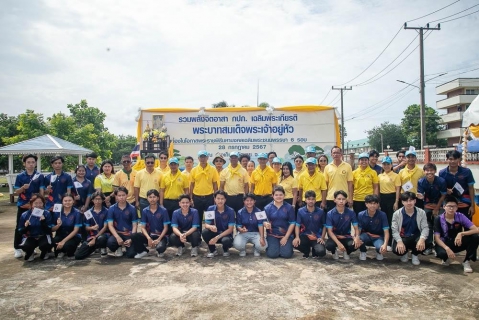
[185,223]
[409,228]
[454,232]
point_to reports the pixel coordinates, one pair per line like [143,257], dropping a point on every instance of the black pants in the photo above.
[359,206]
[410,244]
[170,205]
[143,204]
[201,204]
[85,250]
[306,244]
[348,243]
[139,242]
[469,243]
[262,201]
[194,239]
[113,245]
[226,242]
[465,211]
[387,206]
[330,205]
[70,246]
[235,202]
[31,243]
[18,235]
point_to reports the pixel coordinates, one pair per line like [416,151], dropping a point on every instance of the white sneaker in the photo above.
[60,255]
[139,255]
[119,252]
[212,254]
[346,256]
[160,255]
[362,256]
[257,253]
[103,251]
[389,249]
[18,253]
[415,260]
[194,251]
[226,254]
[427,252]
[467,266]
[335,255]
[445,263]
[379,257]
[404,258]
[179,252]
[31,258]
[242,253]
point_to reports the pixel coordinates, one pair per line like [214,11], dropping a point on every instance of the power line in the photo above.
[327,94]
[434,11]
[452,15]
[460,17]
[334,99]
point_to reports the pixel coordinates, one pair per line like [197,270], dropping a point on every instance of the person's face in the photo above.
[450,207]
[278,196]
[372,206]
[323,162]
[90,161]
[152,199]
[234,161]
[336,153]
[411,159]
[67,202]
[270,158]
[276,167]
[340,201]
[188,164]
[30,164]
[244,163]
[81,172]
[126,162]
[298,163]
[220,200]
[250,167]
[363,162]
[430,173]
[286,171]
[409,204]
[401,157]
[163,158]
[150,163]
[203,159]
[219,163]
[262,161]
[173,167]
[373,160]
[184,204]
[121,197]
[107,168]
[97,201]
[387,166]
[453,162]
[310,202]
[249,203]
[37,203]
[311,167]
[57,165]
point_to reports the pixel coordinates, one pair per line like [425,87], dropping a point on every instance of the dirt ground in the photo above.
[232,287]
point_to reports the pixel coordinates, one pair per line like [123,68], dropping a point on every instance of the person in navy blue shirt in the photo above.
[68,223]
[185,223]
[122,222]
[96,229]
[27,183]
[249,228]
[373,162]
[36,231]
[92,170]
[219,230]
[279,225]
[338,223]
[310,231]
[82,190]
[154,227]
[373,227]
[57,183]
[453,174]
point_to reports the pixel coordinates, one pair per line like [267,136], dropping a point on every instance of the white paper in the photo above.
[35,177]
[88,214]
[37,212]
[49,239]
[209,215]
[459,188]
[77,184]
[57,207]
[53,177]
[261,215]
[407,186]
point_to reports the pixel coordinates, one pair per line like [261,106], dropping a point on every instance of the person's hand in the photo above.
[262,242]
[59,222]
[213,229]
[472,210]
[267,225]
[383,249]
[243,230]
[320,240]
[183,237]
[323,204]
[119,240]
[449,191]
[350,202]
[92,242]
[450,253]
[192,204]
[77,197]
[420,196]
[150,243]
[395,206]
[26,186]
[127,243]
[213,241]
[137,205]
[42,217]
[60,245]
[357,242]
[27,223]
[48,189]
[421,245]
[296,242]
[458,240]
[95,227]
[341,247]
[401,248]
[283,241]
[435,212]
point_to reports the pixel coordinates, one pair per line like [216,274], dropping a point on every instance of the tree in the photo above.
[8,128]
[393,136]
[412,126]
[264,105]
[29,125]
[221,104]
[124,145]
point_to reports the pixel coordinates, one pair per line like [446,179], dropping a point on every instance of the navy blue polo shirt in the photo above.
[248,220]
[432,191]
[84,192]
[69,222]
[464,177]
[409,224]
[35,186]
[62,183]
[340,223]
[155,222]
[375,224]
[35,229]
[100,218]
[123,219]
[223,220]
[280,219]
[91,173]
[311,222]
[185,222]
[377,168]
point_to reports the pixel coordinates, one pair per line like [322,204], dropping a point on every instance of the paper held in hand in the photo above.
[57,207]
[88,214]
[209,215]
[35,177]
[261,215]
[77,184]
[407,186]
[53,177]
[459,188]
[37,212]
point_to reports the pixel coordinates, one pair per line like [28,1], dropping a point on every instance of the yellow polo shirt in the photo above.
[297,172]
[337,178]
[163,171]
[123,179]
[411,175]
[316,182]
[104,183]
[204,179]
[289,184]
[146,181]
[388,182]
[364,181]
[234,179]
[174,185]
[263,180]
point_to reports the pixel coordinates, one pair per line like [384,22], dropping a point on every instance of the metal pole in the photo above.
[342,113]
[421,90]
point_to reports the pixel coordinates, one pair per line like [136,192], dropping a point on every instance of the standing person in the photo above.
[122,222]
[339,176]
[453,233]
[36,230]
[249,228]
[189,162]
[27,183]
[154,228]
[145,180]
[220,229]
[289,184]
[373,161]
[365,182]
[373,227]
[219,162]
[104,182]
[185,224]
[276,165]
[271,156]
[263,180]
[311,152]
[92,169]
[410,175]
[299,166]
[68,223]
[244,159]
[250,168]
[409,229]
[57,183]
[280,226]
[313,180]
[402,161]
[203,183]
[322,163]
[126,178]
[172,186]
[460,183]
[310,231]
[82,189]
[338,224]
[163,159]
[234,180]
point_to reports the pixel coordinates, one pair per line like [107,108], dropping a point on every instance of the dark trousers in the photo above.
[194,239]
[113,245]
[170,205]
[306,244]
[410,244]
[465,211]
[359,206]
[143,204]
[348,243]
[235,202]
[70,246]
[430,224]
[85,250]
[262,201]
[201,204]
[330,204]
[139,242]
[226,241]
[469,243]
[18,235]
[387,206]
[31,243]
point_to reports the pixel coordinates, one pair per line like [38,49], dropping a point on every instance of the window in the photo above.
[470,91]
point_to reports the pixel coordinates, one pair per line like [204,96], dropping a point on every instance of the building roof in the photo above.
[457,84]
[358,143]
[45,144]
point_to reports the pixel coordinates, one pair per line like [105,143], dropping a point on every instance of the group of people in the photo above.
[309,205]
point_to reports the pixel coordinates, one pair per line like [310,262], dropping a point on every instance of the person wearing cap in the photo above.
[146,179]
[299,166]
[163,159]
[126,178]
[203,183]
[389,192]
[263,180]
[234,181]
[219,161]
[173,184]
[410,175]
[92,170]
[310,152]
[312,180]
[57,183]
[271,156]
[365,181]
[276,165]
[373,161]
[339,176]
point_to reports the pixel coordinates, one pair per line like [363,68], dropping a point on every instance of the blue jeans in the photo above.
[370,241]
[242,239]
[275,249]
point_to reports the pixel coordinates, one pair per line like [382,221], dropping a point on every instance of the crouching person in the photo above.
[374,228]
[68,221]
[185,223]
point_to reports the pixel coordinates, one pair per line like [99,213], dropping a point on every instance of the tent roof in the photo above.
[471,115]
[45,144]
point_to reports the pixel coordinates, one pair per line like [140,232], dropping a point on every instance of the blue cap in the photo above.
[411,152]
[311,160]
[234,154]
[276,160]
[363,155]
[173,160]
[310,149]
[387,160]
[262,155]
[202,153]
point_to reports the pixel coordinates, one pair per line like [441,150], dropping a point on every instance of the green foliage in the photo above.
[295,150]
[392,135]
[29,125]
[412,126]
[221,104]
[124,145]
[264,105]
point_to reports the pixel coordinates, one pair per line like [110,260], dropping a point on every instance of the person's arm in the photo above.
[192,187]
[398,196]
[97,184]
[162,197]
[134,227]
[137,197]
[435,212]
[333,237]
[384,247]
[350,193]
[70,235]
[357,240]
[252,188]
[163,233]
[472,230]
[300,196]
[295,196]
[296,240]
[114,233]
[376,188]
[473,200]
[222,185]
[324,194]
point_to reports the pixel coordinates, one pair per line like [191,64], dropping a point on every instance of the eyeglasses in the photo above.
[150,162]
[451,206]
[163,158]
[126,161]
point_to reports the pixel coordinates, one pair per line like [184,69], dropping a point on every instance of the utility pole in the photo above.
[342,112]
[421,77]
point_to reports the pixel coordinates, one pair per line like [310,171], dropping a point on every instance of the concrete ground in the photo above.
[232,287]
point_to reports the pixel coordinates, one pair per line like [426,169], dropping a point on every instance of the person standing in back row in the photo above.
[263,180]
[339,176]
[365,182]
[410,176]
[234,181]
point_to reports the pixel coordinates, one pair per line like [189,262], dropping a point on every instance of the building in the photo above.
[357,146]
[459,95]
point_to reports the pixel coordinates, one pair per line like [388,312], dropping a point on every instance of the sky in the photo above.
[125,55]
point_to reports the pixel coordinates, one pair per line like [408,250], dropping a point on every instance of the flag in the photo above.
[171,150]
[57,207]
[261,215]
[209,215]
[88,214]
[136,151]
[37,212]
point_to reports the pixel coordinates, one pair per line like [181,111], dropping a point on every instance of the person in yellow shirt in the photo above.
[126,178]
[289,184]
[339,176]
[263,180]
[299,166]
[410,176]
[365,182]
[276,165]
[104,182]
[146,179]
[163,167]
[219,162]
[234,180]
[313,180]
[189,162]
[203,183]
